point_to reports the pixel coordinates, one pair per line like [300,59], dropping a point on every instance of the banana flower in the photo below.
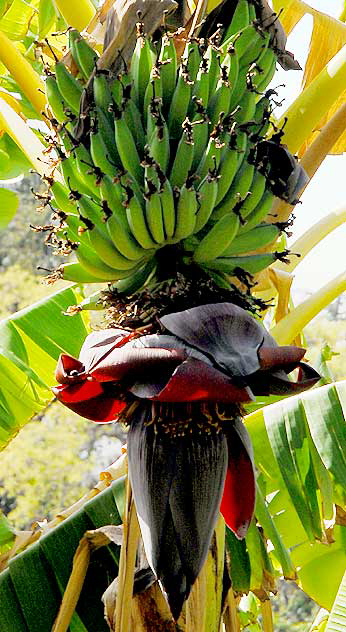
[189,453]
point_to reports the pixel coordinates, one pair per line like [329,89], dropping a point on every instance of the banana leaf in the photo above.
[30,343]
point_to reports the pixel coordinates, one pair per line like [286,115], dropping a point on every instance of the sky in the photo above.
[327,190]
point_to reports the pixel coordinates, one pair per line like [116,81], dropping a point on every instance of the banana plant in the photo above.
[154,379]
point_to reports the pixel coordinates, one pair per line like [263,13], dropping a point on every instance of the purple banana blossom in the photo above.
[189,453]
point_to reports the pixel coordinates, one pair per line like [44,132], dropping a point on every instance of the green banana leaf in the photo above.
[31,587]
[337,617]
[16,21]
[300,454]
[30,343]
[8,205]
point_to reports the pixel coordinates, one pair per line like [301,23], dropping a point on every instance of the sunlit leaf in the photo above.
[46,17]
[337,617]
[8,206]
[15,22]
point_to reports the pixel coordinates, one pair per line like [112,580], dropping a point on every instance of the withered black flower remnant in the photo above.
[180,392]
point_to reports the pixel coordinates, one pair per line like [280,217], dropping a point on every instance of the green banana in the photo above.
[102,93]
[74,271]
[259,237]
[200,135]
[154,216]
[93,265]
[212,155]
[229,164]
[213,59]
[107,252]
[183,158]
[83,54]
[180,103]
[61,198]
[153,89]
[69,171]
[123,240]
[266,67]
[192,58]
[238,190]
[240,19]
[99,154]
[70,88]
[56,103]
[133,119]
[137,223]
[220,100]
[112,195]
[200,89]
[219,237]
[207,193]
[186,210]
[141,65]
[167,63]
[86,172]
[168,208]
[127,149]
[257,189]
[251,264]
[247,107]
[137,280]
[159,145]
[105,125]
[260,211]
[92,211]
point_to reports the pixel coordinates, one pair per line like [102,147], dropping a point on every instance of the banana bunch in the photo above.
[171,158]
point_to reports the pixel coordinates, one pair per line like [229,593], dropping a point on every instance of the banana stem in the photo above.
[312,237]
[267,616]
[127,565]
[314,156]
[314,102]
[291,325]
[76,14]
[23,73]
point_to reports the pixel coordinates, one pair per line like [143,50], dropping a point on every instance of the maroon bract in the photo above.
[187,459]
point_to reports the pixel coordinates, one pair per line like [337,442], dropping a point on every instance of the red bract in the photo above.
[206,356]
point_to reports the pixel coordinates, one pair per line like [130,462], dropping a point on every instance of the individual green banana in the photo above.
[247,107]
[167,64]
[238,190]
[200,135]
[192,58]
[133,119]
[141,65]
[61,198]
[159,145]
[212,155]
[240,19]
[257,189]
[56,103]
[137,280]
[153,89]
[229,164]
[107,252]
[105,125]
[168,208]
[127,149]
[93,265]
[251,264]
[254,239]
[74,271]
[85,170]
[154,216]
[186,210]
[200,89]
[220,100]
[266,67]
[256,50]
[99,154]
[122,238]
[83,54]
[213,59]
[259,213]
[102,93]
[180,103]
[70,88]
[92,211]
[112,194]
[207,193]
[69,171]
[137,223]
[219,237]
[183,158]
